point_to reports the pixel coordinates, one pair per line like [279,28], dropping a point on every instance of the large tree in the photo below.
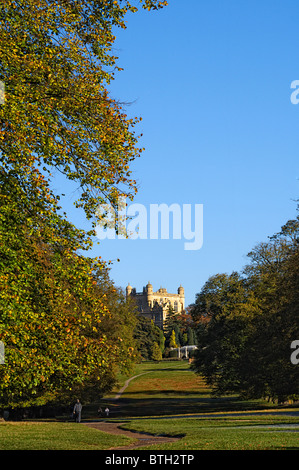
[147,334]
[247,322]
[56,63]
[64,325]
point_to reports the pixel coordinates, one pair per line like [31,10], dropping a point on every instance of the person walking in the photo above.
[107,412]
[77,411]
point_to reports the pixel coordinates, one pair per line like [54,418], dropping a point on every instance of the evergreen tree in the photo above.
[146,333]
[190,337]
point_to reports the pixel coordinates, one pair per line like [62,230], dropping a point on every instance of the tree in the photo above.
[246,323]
[161,341]
[177,332]
[56,63]
[222,311]
[64,324]
[146,333]
[156,352]
[170,321]
[172,341]
[182,324]
[273,271]
[190,337]
[56,304]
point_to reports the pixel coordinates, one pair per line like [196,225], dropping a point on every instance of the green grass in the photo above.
[164,400]
[172,388]
[55,436]
[222,433]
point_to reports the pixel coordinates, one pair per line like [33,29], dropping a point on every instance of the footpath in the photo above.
[144,439]
[141,439]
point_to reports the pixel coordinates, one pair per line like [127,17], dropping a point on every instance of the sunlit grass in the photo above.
[171,387]
[165,401]
[223,433]
[55,436]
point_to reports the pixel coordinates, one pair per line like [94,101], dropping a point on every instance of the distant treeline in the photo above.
[247,323]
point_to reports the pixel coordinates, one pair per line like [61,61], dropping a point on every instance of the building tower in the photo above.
[181,292]
[155,305]
[149,294]
[128,290]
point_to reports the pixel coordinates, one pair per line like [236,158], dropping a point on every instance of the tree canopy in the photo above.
[56,62]
[63,322]
[65,326]
[146,334]
[246,322]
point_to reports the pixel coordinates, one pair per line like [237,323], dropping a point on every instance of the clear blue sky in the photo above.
[211,80]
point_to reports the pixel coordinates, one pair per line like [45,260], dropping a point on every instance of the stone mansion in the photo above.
[155,305]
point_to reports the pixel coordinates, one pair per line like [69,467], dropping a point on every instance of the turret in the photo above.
[181,291]
[128,290]
[149,288]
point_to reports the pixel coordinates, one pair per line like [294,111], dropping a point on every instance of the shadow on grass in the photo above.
[130,407]
[202,395]
[169,369]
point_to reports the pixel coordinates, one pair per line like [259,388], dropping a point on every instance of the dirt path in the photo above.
[140,438]
[118,395]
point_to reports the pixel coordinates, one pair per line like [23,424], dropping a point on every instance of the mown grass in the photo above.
[159,400]
[165,400]
[55,436]
[172,388]
[223,433]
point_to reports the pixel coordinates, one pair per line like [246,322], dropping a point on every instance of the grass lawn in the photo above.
[157,402]
[55,436]
[223,433]
[171,388]
[165,399]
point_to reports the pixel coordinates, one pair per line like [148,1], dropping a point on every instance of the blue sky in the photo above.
[211,80]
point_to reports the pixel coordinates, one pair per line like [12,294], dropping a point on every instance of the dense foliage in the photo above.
[179,329]
[149,337]
[63,323]
[247,322]
[65,327]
